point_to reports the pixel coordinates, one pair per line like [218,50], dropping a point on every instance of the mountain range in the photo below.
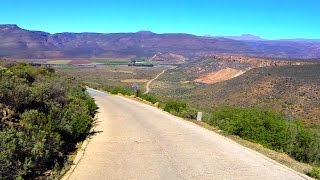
[16,42]
[244,37]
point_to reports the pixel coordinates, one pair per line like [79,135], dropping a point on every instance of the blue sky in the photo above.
[272,19]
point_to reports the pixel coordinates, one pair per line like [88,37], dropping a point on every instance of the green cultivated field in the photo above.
[112,61]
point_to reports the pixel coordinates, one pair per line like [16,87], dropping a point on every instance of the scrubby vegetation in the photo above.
[180,108]
[42,117]
[291,90]
[269,129]
[315,173]
[148,97]
[175,106]
[119,90]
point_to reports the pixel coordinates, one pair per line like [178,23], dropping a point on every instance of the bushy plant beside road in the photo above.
[42,117]
[269,129]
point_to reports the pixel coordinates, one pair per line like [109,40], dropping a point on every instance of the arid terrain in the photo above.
[290,88]
[293,90]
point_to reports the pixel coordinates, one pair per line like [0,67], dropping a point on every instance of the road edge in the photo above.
[81,151]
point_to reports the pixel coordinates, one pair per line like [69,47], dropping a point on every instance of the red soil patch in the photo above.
[218,76]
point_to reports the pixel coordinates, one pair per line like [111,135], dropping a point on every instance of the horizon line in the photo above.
[260,38]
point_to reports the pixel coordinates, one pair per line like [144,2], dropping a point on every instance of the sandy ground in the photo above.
[138,141]
[218,76]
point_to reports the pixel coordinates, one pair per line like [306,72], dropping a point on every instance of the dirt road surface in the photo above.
[151,81]
[138,141]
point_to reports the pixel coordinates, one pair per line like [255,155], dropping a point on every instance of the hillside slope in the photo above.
[293,90]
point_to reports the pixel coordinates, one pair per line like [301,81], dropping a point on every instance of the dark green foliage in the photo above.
[189,113]
[175,106]
[92,106]
[149,98]
[315,173]
[269,129]
[125,91]
[304,144]
[42,117]
[180,108]
[117,90]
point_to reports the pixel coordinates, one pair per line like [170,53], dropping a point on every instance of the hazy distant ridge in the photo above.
[20,43]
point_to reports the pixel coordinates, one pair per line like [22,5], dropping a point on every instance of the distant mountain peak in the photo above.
[9,26]
[144,32]
[250,36]
[245,37]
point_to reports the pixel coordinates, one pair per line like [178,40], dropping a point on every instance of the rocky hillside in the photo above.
[293,90]
[20,43]
[204,66]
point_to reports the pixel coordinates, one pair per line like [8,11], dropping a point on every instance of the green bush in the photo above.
[189,113]
[175,106]
[303,143]
[269,129]
[180,108]
[76,120]
[42,117]
[315,173]
[149,98]
[117,90]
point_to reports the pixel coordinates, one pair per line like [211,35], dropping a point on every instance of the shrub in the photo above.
[269,129]
[315,173]
[149,98]
[92,106]
[175,106]
[117,90]
[303,144]
[42,117]
[76,120]
[189,113]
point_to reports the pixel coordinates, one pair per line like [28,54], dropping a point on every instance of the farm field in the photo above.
[105,61]
[108,77]
[111,61]
[59,62]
